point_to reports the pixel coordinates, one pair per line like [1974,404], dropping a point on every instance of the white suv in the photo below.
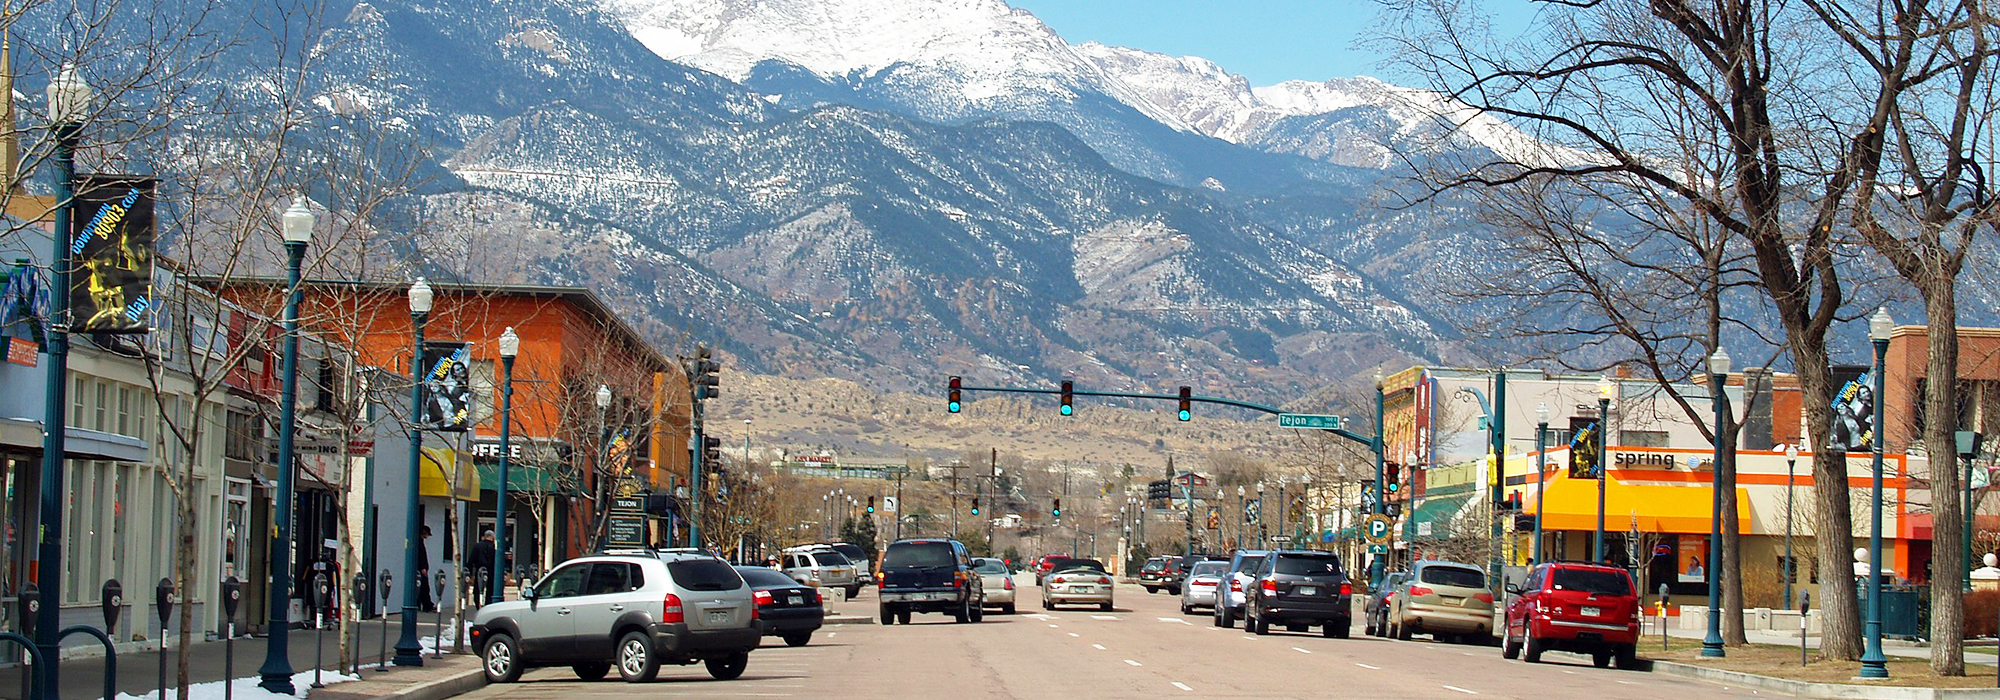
[633,610]
[820,566]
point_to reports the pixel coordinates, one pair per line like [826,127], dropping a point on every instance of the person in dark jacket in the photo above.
[481,560]
[423,582]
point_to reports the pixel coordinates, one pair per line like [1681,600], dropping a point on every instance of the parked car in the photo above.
[1153,574]
[1569,606]
[1043,564]
[1077,582]
[820,566]
[786,608]
[1446,600]
[1299,589]
[1202,582]
[998,583]
[929,575]
[1242,570]
[634,611]
[1375,610]
[864,567]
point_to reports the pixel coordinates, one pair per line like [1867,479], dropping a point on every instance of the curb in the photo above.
[1828,691]
[453,685]
[848,620]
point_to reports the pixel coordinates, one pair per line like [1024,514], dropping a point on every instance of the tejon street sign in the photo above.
[1311,420]
[1281,539]
[1377,528]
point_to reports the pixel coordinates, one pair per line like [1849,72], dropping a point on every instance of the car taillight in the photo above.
[1483,597]
[672,610]
[1271,586]
[1235,586]
[1346,588]
[763,597]
[1420,590]
[1106,580]
[1058,579]
[753,612]
[1007,584]
[818,597]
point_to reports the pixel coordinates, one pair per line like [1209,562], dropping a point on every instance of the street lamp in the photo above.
[1541,472]
[69,99]
[1260,515]
[276,673]
[1379,563]
[1718,374]
[602,399]
[1791,474]
[1873,663]
[408,651]
[1604,391]
[510,347]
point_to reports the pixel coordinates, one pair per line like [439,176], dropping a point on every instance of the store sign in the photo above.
[1643,459]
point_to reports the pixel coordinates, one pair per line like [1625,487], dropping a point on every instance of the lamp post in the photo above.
[1378,565]
[1604,390]
[408,651]
[510,347]
[1791,474]
[602,399]
[1242,515]
[1541,472]
[276,673]
[1497,478]
[69,99]
[1873,663]
[1718,372]
[1968,447]
[1260,515]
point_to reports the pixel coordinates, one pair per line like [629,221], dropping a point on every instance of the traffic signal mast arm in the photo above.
[1368,442]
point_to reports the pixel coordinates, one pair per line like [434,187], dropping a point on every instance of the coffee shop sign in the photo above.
[1656,460]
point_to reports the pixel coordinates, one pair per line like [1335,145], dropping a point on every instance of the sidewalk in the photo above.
[138,672]
[1981,655]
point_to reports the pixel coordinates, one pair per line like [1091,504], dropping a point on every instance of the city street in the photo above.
[1144,649]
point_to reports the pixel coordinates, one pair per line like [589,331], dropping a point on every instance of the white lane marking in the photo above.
[1627,683]
[1052,624]
[1173,619]
[1462,690]
[1366,666]
[1073,634]
[1249,636]
[1302,651]
[1100,647]
[1133,663]
[1104,617]
[1183,686]
[1570,672]
[1467,653]
[829,634]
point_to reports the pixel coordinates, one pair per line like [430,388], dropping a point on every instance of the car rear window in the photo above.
[760,576]
[832,559]
[914,554]
[1154,565]
[852,552]
[1453,576]
[704,575]
[1592,581]
[1067,564]
[1208,568]
[990,566]
[1251,563]
[1308,565]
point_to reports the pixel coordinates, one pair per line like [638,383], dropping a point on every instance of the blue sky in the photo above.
[1266,41]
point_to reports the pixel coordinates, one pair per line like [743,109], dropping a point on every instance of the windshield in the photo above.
[990,566]
[832,559]
[1208,568]
[918,554]
[704,575]
[760,576]
[1592,581]
[1453,576]
[1308,565]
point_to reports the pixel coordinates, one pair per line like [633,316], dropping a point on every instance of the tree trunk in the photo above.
[184,577]
[1732,536]
[1833,516]
[1948,563]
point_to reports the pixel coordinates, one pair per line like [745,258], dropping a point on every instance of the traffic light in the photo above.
[953,405]
[1057,511]
[1392,478]
[871,505]
[975,506]
[705,374]
[1068,386]
[1187,403]
[711,450]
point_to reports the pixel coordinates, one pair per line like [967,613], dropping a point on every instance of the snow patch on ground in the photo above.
[247,688]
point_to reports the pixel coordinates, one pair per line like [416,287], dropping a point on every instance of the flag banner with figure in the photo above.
[1854,415]
[111,255]
[1583,448]
[447,388]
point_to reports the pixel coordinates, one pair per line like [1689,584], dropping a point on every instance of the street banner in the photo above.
[1854,415]
[1583,447]
[447,388]
[111,255]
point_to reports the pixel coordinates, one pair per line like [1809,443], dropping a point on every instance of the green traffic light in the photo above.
[1185,415]
[954,407]
[1067,410]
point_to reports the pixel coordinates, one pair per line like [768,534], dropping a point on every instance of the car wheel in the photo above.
[1228,618]
[978,613]
[1341,629]
[1368,627]
[1185,610]
[798,639]
[903,618]
[728,668]
[1628,658]
[853,591]
[888,616]
[502,659]
[1600,659]
[1531,650]
[1106,607]
[1257,625]
[962,614]
[1007,609]
[636,661]
[591,670]
[1046,605]
[1401,631]
[1508,649]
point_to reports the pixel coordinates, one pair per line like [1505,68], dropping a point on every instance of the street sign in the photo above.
[1378,549]
[889,504]
[1311,420]
[1281,539]
[627,530]
[1377,528]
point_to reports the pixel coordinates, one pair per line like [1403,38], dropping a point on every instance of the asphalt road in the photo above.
[1144,649]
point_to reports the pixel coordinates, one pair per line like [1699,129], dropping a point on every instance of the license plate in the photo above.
[1306,590]
[1592,612]
[795,600]
[718,617]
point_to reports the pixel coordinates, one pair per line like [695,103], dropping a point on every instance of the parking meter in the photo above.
[1805,623]
[388,581]
[382,658]
[322,592]
[30,604]
[232,595]
[163,598]
[1663,617]
[440,580]
[113,597]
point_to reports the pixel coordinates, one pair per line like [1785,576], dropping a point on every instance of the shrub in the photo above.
[1981,609]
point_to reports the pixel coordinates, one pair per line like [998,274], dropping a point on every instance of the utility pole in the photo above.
[899,504]
[993,461]
[955,466]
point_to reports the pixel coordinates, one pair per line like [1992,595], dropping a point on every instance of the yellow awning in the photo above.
[1674,508]
[434,470]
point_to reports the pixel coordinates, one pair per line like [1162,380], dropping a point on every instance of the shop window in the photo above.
[327,381]
[1643,438]
[103,408]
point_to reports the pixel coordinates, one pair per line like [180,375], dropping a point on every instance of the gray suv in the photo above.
[634,610]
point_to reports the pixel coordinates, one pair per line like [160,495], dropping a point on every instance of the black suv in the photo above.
[1299,589]
[929,575]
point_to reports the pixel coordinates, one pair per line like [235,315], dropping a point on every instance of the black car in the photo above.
[1299,589]
[929,575]
[786,608]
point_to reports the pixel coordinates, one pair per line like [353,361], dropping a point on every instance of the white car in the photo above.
[998,582]
[1077,582]
[1203,583]
[820,568]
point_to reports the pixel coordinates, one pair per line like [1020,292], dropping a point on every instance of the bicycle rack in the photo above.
[110,655]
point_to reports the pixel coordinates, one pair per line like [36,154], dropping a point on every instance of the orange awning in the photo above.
[1667,508]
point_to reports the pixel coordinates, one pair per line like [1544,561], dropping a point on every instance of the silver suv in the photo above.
[634,610]
[820,566]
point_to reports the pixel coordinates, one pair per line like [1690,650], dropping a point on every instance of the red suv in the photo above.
[1577,607]
[1043,565]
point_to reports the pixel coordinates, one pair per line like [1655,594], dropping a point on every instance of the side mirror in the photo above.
[528,589]
[1515,590]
